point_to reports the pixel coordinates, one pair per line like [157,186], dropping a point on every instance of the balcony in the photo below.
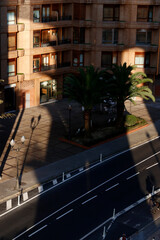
[59,18]
[52,67]
[20,77]
[20,27]
[12,79]
[64,41]
[20,52]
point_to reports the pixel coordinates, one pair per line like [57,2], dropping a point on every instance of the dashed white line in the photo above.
[133,175]
[89,199]
[37,231]
[152,165]
[112,187]
[64,214]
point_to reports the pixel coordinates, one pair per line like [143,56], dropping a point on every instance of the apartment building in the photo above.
[43,40]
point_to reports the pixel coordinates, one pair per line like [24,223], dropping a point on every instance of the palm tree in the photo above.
[86,87]
[127,86]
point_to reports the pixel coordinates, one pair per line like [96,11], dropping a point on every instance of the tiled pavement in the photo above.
[43,126]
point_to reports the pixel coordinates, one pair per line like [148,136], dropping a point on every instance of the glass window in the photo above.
[45,37]
[142,60]
[108,58]
[143,36]
[45,62]
[111,13]
[12,42]
[12,67]
[110,36]
[11,17]
[36,64]
[36,15]
[45,14]
[145,13]
[78,59]
[36,38]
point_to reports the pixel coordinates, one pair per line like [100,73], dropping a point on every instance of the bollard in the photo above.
[104,232]
[63,177]
[19,200]
[153,190]
[114,213]
[100,157]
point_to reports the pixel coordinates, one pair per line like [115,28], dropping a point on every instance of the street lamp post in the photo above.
[69,110]
[12,143]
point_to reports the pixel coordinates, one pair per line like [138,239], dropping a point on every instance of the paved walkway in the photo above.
[44,156]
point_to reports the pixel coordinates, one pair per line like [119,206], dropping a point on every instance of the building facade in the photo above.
[43,40]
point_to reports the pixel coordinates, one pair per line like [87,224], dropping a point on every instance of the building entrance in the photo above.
[48,91]
[9,96]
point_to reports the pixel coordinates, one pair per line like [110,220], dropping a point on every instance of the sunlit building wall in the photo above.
[41,41]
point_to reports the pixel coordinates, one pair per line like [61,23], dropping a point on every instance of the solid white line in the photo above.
[64,214]
[37,231]
[133,175]
[112,187]
[152,165]
[89,199]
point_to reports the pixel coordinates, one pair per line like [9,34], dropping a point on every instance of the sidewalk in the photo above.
[44,157]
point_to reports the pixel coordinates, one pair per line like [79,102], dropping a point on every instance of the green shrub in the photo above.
[130,120]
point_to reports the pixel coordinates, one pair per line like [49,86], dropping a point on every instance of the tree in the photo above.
[127,86]
[86,87]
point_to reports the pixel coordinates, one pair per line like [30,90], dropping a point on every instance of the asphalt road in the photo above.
[76,207]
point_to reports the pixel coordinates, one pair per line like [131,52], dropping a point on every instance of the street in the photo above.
[76,207]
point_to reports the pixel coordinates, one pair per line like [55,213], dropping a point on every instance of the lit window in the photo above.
[11,67]
[78,59]
[11,18]
[36,15]
[12,41]
[142,60]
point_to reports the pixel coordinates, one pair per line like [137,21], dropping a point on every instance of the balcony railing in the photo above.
[50,67]
[60,18]
[64,41]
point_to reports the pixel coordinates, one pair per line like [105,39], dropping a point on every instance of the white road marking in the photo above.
[64,214]
[89,199]
[133,175]
[152,165]
[37,231]
[112,187]
[45,191]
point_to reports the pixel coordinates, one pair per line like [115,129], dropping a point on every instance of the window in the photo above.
[145,13]
[12,42]
[79,35]
[11,19]
[142,60]
[45,62]
[143,36]
[11,67]
[45,37]
[79,11]
[36,15]
[36,64]
[110,36]
[78,59]
[45,13]
[36,39]
[108,58]
[111,13]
